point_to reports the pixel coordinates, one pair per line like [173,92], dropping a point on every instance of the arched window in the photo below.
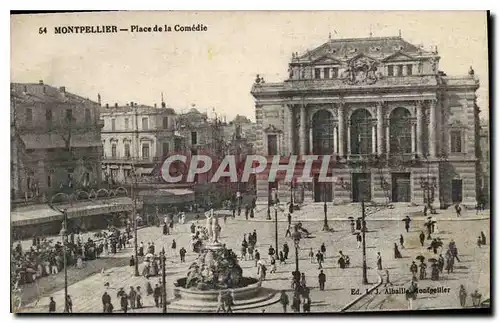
[400,131]
[361,132]
[322,123]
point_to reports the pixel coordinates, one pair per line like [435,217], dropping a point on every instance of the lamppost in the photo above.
[326,227]
[291,196]
[133,188]
[428,185]
[163,280]
[363,231]
[64,238]
[276,226]
[296,240]
[269,202]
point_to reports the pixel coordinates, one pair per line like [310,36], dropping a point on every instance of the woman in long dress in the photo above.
[397,254]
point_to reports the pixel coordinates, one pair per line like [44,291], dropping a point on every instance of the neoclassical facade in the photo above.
[398,129]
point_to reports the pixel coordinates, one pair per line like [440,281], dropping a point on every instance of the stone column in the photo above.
[432,129]
[310,139]
[420,108]
[291,128]
[302,130]
[374,139]
[335,137]
[380,129]
[387,136]
[413,129]
[348,137]
[341,130]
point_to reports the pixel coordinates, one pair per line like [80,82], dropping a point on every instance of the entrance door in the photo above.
[361,187]
[456,190]
[401,188]
[322,191]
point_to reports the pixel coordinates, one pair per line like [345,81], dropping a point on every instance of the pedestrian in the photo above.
[476,299]
[70,304]
[423,272]
[271,252]
[387,278]
[282,258]
[193,228]
[140,252]
[257,258]
[440,263]
[273,265]
[358,239]
[307,305]
[254,236]
[353,226]
[263,270]
[132,297]
[318,258]
[225,218]
[303,280]
[402,241]
[52,305]
[182,254]
[462,295]
[311,255]
[149,288]
[286,250]
[414,269]
[244,250]
[106,300]
[288,231]
[220,303]
[321,280]
[379,261]
[483,238]
[479,241]
[422,238]
[397,254]
[250,251]
[458,210]
[323,249]
[284,300]
[296,302]
[174,247]
[124,302]
[132,261]
[138,297]
[289,218]
[407,221]
[341,260]
[157,295]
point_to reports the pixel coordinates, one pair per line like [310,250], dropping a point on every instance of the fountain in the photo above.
[215,271]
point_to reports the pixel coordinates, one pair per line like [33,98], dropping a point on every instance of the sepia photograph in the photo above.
[250,162]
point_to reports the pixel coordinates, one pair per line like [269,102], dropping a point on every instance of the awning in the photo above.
[42,213]
[167,196]
[45,141]
[34,214]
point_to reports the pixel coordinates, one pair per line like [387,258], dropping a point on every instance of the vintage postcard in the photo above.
[250,162]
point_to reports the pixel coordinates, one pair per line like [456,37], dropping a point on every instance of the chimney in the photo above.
[155,105]
[107,105]
[116,105]
[40,82]
[99,98]
[131,103]
[62,89]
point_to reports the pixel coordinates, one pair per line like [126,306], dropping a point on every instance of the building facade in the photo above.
[485,163]
[55,141]
[398,129]
[134,139]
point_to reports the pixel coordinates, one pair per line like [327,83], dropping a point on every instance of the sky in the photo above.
[216,69]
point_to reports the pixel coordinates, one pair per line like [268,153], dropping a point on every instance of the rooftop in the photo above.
[29,93]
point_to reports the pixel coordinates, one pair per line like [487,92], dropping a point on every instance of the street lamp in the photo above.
[296,240]
[163,280]
[134,211]
[363,230]
[269,202]
[291,196]
[325,209]
[276,226]
[64,238]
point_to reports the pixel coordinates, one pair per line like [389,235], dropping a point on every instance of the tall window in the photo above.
[326,73]
[113,150]
[361,132]
[317,73]
[409,69]
[145,125]
[390,70]
[322,133]
[29,115]
[400,70]
[145,150]
[165,122]
[456,141]
[272,145]
[49,180]
[126,123]
[48,116]
[335,72]
[165,148]
[113,124]
[87,116]
[69,115]
[127,150]
[194,138]
[400,131]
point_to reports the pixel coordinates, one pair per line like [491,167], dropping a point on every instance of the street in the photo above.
[342,285]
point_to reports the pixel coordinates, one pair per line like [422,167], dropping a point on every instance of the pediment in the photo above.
[272,129]
[363,58]
[327,60]
[398,57]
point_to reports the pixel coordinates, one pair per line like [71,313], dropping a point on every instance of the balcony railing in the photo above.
[131,160]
